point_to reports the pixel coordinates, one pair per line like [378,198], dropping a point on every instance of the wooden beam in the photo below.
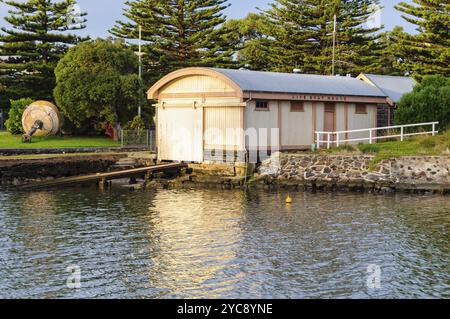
[229,104]
[156,130]
[314,121]
[280,124]
[346,119]
[243,126]
[375,116]
[103,177]
[193,95]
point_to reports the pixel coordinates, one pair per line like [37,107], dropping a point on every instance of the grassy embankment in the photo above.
[14,141]
[420,145]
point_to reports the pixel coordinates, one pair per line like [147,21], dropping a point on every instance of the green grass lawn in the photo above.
[14,141]
[420,145]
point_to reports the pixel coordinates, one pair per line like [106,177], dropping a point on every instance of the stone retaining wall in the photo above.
[327,172]
[353,172]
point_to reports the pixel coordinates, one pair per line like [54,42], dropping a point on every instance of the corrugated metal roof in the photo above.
[393,86]
[273,82]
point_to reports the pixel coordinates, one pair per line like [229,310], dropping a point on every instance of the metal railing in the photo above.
[138,138]
[336,138]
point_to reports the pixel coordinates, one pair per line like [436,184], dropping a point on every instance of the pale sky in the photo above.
[103,13]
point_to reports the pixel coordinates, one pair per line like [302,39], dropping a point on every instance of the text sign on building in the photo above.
[306,97]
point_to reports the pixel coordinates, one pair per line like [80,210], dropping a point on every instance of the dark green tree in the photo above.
[427,52]
[97,83]
[303,34]
[177,34]
[250,34]
[31,47]
[429,102]
[390,59]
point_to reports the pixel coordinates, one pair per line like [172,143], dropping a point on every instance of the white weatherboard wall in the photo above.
[320,108]
[259,125]
[340,116]
[347,119]
[223,128]
[297,127]
[361,121]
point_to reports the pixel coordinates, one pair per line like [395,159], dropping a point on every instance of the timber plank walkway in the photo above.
[135,172]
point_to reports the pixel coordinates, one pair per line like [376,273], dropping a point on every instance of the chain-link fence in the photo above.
[138,138]
[2,119]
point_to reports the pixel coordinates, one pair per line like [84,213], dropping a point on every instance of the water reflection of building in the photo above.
[194,240]
[210,243]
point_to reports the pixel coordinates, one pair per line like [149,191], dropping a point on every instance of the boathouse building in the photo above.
[200,111]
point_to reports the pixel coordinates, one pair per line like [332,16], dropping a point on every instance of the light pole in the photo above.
[140,66]
[334,44]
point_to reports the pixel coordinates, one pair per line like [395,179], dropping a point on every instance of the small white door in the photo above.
[180,135]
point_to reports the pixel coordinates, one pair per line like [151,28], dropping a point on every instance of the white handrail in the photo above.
[372,137]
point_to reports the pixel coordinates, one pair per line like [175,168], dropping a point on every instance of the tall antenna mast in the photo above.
[140,65]
[334,44]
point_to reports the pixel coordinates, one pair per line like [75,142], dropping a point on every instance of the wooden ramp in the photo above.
[99,177]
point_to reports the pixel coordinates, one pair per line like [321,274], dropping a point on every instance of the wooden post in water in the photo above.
[102,184]
[147,178]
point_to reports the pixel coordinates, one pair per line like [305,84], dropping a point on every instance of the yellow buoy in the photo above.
[289,200]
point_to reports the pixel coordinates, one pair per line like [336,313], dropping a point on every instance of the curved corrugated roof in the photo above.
[273,82]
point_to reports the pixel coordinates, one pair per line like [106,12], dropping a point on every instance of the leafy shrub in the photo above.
[136,124]
[429,102]
[14,122]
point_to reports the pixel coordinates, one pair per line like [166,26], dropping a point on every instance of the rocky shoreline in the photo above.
[325,172]
[282,170]
[355,173]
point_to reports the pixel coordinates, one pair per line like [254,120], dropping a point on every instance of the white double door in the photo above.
[180,133]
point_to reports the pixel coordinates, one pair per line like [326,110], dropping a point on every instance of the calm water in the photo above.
[222,244]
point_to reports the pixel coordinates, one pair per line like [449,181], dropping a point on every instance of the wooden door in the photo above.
[329,118]
[180,134]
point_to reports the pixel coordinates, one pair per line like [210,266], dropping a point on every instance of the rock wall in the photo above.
[353,172]
[421,172]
